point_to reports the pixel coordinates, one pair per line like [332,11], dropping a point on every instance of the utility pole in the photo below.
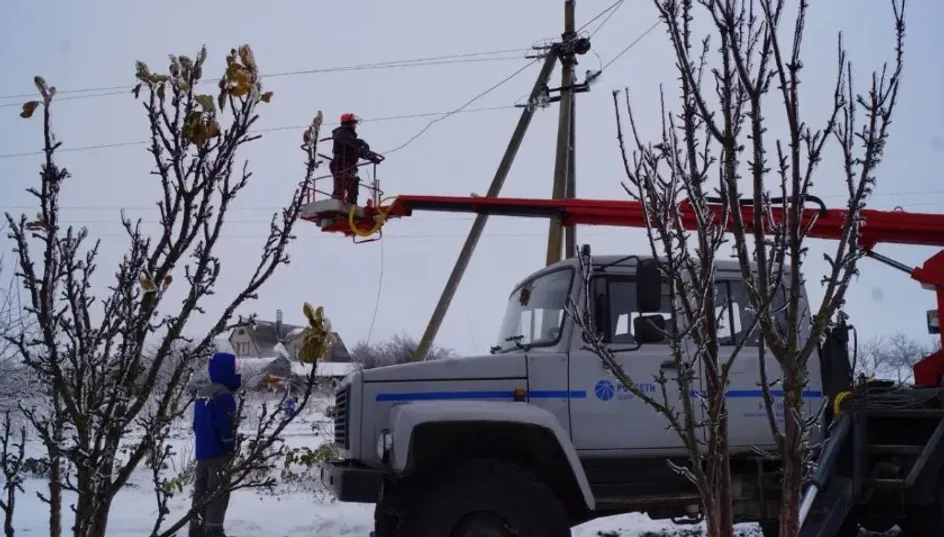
[562,165]
[539,89]
[564,176]
[570,232]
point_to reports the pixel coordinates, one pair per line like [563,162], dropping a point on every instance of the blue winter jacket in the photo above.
[215,408]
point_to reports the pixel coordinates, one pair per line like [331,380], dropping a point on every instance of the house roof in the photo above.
[265,335]
[267,339]
[325,369]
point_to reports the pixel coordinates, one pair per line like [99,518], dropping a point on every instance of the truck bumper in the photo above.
[352,482]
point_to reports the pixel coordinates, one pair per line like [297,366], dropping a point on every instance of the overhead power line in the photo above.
[298,128]
[472,57]
[632,44]
[270,208]
[415,62]
[388,235]
[335,237]
[463,107]
[609,12]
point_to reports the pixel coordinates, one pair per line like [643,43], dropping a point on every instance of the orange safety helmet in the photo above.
[348,117]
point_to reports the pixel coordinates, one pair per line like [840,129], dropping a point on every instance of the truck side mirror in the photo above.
[648,286]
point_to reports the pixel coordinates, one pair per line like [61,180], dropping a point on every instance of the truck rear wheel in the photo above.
[483,499]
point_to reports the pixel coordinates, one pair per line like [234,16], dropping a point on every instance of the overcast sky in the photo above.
[94,44]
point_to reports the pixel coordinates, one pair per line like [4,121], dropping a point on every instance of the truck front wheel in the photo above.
[482,499]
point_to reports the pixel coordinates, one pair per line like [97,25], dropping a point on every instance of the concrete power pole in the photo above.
[562,165]
[458,270]
[570,232]
[564,176]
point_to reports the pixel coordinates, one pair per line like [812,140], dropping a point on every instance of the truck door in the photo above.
[748,420]
[610,417]
[535,320]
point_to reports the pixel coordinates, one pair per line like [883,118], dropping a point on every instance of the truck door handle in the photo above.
[668,364]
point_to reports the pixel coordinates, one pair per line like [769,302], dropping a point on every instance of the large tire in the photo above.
[483,498]
[385,517]
[384,525]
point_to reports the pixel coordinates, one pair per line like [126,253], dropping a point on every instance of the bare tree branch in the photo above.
[12,455]
[122,363]
[721,132]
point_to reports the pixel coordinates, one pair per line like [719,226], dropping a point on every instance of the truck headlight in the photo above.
[384,445]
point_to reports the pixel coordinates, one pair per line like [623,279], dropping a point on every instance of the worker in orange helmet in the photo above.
[348,150]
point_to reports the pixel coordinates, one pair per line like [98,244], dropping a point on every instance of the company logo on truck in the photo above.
[606,390]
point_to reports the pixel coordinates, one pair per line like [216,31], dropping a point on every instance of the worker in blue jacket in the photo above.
[214,428]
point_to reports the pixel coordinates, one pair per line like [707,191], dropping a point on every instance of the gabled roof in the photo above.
[339,352]
[267,339]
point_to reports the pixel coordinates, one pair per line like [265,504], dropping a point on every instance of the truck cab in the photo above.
[538,435]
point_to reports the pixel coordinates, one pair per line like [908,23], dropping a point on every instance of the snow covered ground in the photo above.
[296,514]
[298,508]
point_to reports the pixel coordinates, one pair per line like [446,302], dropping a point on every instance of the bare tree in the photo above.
[659,176]
[13,381]
[113,391]
[724,121]
[891,356]
[12,457]
[398,349]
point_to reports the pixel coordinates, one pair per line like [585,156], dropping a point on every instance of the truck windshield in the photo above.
[535,311]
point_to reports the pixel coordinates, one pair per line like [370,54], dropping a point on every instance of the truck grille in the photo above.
[341,410]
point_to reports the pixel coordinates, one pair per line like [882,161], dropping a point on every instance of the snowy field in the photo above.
[300,506]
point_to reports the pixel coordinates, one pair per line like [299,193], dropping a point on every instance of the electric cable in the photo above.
[631,45]
[463,107]
[612,11]
[897,398]
[263,130]
[471,57]
[606,10]
[373,318]
[545,42]
[444,115]
[324,236]
[275,208]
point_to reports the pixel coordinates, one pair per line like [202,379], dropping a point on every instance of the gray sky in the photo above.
[94,44]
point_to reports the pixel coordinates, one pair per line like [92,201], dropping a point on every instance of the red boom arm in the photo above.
[878,227]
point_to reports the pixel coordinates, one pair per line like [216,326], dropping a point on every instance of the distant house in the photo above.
[269,349]
[262,339]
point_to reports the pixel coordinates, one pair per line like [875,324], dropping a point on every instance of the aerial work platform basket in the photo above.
[364,223]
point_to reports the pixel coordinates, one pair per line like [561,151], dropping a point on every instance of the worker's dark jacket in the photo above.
[348,149]
[215,409]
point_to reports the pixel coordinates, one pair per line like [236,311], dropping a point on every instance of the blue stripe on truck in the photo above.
[748,394]
[549,394]
[480,394]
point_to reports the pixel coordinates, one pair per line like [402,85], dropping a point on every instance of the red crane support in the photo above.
[895,227]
